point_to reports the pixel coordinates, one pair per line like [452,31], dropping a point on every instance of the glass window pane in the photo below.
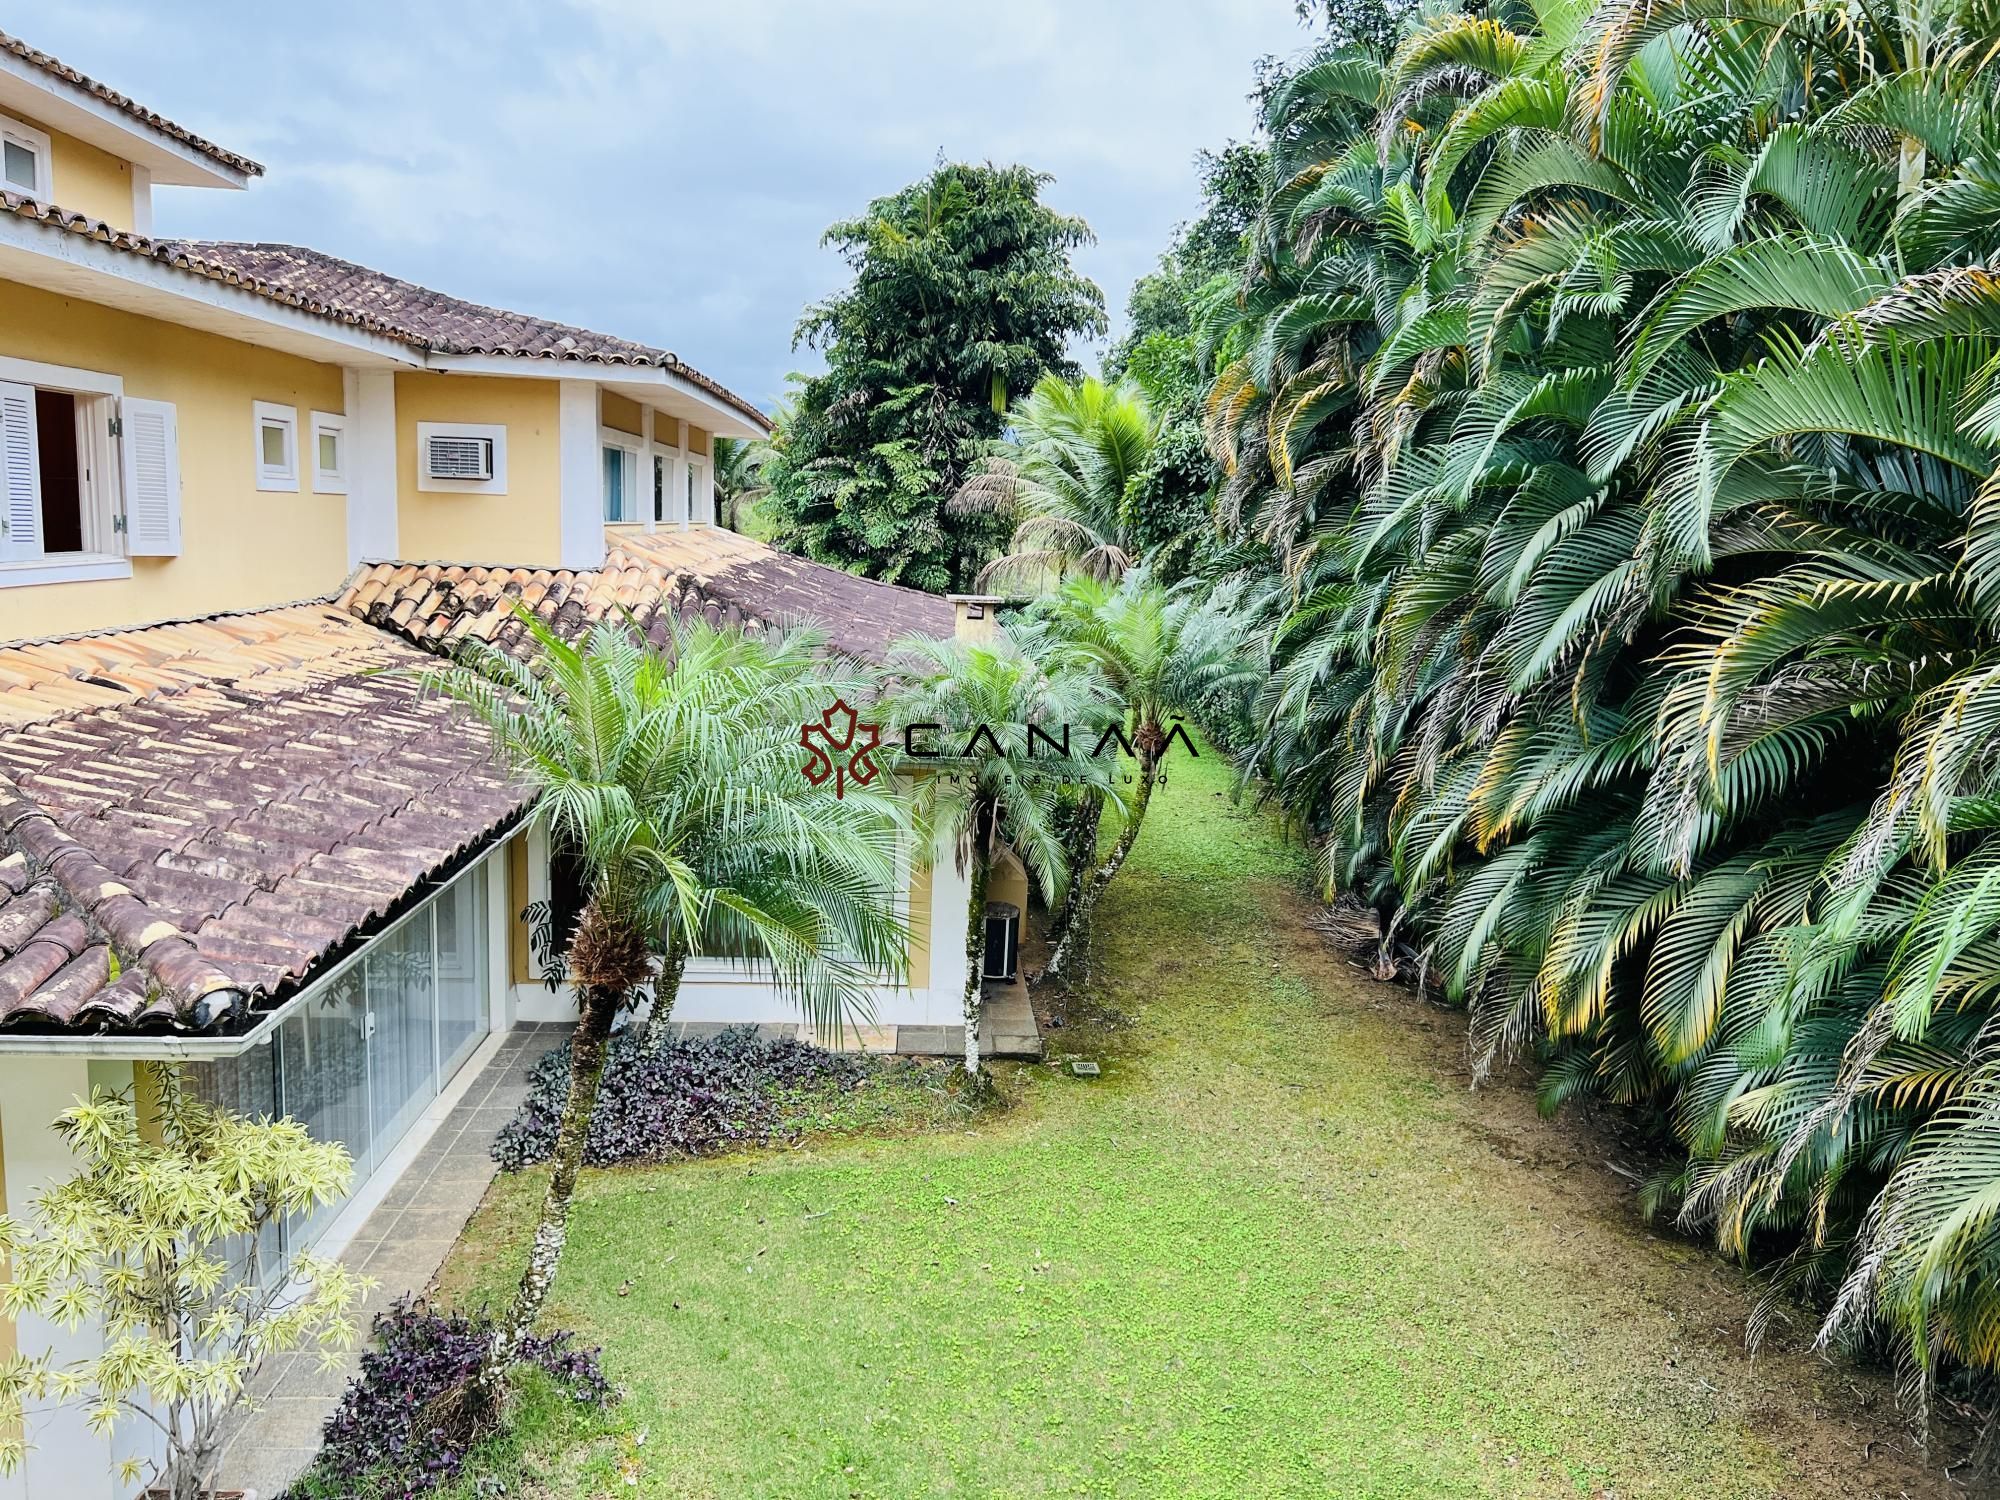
[20,166]
[659,488]
[462,971]
[323,1073]
[329,452]
[403,1044]
[246,1084]
[614,484]
[274,445]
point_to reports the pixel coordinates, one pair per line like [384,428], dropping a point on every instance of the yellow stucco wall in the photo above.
[89,181]
[240,547]
[523,526]
[699,442]
[620,412]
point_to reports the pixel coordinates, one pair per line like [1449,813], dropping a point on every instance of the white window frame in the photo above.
[98,396]
[36,141]
[638,496]
[700,495]
[275,478]
[330,481]
[497,485]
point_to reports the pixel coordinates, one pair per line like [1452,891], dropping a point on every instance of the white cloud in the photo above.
[665,172]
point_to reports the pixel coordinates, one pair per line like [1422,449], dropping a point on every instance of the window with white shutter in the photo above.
[152,463]
[20,475]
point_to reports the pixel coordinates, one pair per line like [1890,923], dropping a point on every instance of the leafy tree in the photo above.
[673,774]
[980,780]
[160,1243]
[963,295]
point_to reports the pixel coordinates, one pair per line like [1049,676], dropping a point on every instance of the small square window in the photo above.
[24,159]
[329,451]
[277,446]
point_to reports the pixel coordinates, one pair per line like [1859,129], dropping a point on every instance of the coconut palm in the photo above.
[1076,453]
[673,775]
[981,780]
[1164,656]
[739,481]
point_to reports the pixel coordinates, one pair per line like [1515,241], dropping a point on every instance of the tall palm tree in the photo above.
[1164,655]
[1067,474]
[739,481]
[981,780]
[1617,387]
[673,775]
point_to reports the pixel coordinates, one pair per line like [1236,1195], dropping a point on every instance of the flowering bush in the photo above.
[392,1435]
[683,1098]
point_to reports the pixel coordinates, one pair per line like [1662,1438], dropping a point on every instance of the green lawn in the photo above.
[1278,1249]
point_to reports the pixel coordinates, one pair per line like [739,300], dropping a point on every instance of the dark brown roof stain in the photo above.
[56,68]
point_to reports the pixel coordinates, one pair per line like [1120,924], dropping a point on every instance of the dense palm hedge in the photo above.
[1621,388]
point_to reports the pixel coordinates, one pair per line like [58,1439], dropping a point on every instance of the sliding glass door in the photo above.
[360,1059]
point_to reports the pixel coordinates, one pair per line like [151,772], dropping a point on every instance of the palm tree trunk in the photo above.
[1080,851]
[1076,935]
[586,1071]
[975,955]
[653,1035]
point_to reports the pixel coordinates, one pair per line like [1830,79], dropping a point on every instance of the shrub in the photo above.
[393,1435]
[685,1097]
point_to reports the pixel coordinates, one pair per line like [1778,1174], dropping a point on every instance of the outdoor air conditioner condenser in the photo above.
[1003,940]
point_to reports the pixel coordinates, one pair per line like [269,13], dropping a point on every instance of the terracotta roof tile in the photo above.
[705,571]
[62,70]
[224,836]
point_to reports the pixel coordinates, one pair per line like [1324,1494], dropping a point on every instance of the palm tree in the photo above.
[1078,450]
[988,785]
[673,774]
[1624,416]
[739,481]
[1164,656]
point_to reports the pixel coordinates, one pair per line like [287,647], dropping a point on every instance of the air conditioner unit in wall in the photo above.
[457,456]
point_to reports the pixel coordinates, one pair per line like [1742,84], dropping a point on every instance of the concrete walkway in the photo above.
[401,1244]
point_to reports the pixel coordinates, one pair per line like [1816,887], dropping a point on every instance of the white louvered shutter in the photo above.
[20,474]
[152,455]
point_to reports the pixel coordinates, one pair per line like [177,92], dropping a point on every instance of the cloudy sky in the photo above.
[664,170]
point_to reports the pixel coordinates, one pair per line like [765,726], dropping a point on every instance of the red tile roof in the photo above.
[437,321]
[726,577]
[103,92]
[202,815]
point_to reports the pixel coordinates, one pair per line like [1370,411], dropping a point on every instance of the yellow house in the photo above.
[244,490]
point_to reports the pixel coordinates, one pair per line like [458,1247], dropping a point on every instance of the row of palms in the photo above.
[1618,388]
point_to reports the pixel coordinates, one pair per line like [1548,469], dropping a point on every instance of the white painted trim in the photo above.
[329,481]
[719,416]
[48,255]
[369,397]
[142,198]
[275,478]
[64,567]
[37,141]
[580,471]
[80,113]
[634,450]
[497,431]
[60,377]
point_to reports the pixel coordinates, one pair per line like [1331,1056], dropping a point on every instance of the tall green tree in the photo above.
[1066,477]
[1615,388]
[964,708]
[1164,654]
[673,775]
[963,296]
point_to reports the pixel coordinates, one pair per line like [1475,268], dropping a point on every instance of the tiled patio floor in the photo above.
[401,1245]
